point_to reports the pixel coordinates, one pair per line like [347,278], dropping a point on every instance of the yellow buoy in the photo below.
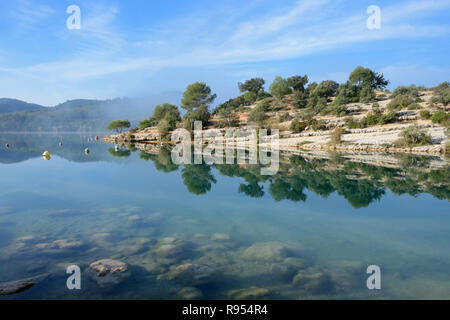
[46,155]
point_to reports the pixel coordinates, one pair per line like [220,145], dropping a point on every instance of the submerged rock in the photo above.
[251,293]
[109,271]
[220,237]
[105,266]
[190,293]
[13,287]
[318,282]
[152,266]
[282,271]
[59,244]
[169,250]
[192,274]
[268,251]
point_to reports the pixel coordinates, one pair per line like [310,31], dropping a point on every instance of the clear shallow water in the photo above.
[308,232]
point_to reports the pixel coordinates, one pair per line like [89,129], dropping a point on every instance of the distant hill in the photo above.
[83,115]
[14,105]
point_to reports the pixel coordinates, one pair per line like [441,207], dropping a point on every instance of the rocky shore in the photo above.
[375,139]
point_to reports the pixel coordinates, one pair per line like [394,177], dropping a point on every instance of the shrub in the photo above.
[387,118]
[298,126]
[336,136]
[257,115]
[412,90]
[352,123]
[414,135]
[440,117]
[300,99]
[414,106]
[400,102]
[285,117]
[425,114]
[249,98]
[264,105]
[367,94]
[280,87]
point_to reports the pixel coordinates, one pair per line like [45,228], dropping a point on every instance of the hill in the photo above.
[14,105]
[81,115]
[358,115]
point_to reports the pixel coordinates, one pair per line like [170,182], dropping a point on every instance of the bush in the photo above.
[400,102]
[264,105]
[440,117]
[425,114]
[336,136]
[414,136]
[249,98]
[285,117]
[414,106]
[387,118]
[257,115]
[377,117]
[412,90]
[280,87]
[298,126]
[300,99]
[367,94]
[352,123]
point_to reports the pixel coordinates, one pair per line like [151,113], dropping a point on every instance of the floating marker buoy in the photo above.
[86,151]
[116,148]
[60,144]
[7,146]
[46,155]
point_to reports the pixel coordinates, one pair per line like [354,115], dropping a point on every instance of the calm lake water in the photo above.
[308,232]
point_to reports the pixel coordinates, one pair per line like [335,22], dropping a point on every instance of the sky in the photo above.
[139,48]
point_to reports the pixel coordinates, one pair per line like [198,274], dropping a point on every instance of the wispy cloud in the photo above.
[221,37]
[29,15]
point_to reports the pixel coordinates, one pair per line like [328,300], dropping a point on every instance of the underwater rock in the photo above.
[152,266]
[318,282]
[108,266]
[190,293]
[168,240]
[282,271]
[60,244]
[268,251]
[251,293]
[192,274]
[109,271]
[134,219]
[169,250]
[220,237]
[134,246]
[170,247]
[12,287]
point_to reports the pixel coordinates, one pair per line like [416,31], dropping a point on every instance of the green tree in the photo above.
[198,178]
[254,85]
[326,89]
[119,125]
[168,112]
[365,76]
[197,94]
[298,82]
[280,87]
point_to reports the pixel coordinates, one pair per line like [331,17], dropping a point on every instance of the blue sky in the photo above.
[142,48]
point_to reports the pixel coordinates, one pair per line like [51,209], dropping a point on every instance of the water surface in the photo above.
[308,232]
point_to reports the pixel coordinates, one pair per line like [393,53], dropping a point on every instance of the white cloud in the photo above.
[226,36]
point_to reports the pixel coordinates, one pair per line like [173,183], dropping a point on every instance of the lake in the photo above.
[221,231]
